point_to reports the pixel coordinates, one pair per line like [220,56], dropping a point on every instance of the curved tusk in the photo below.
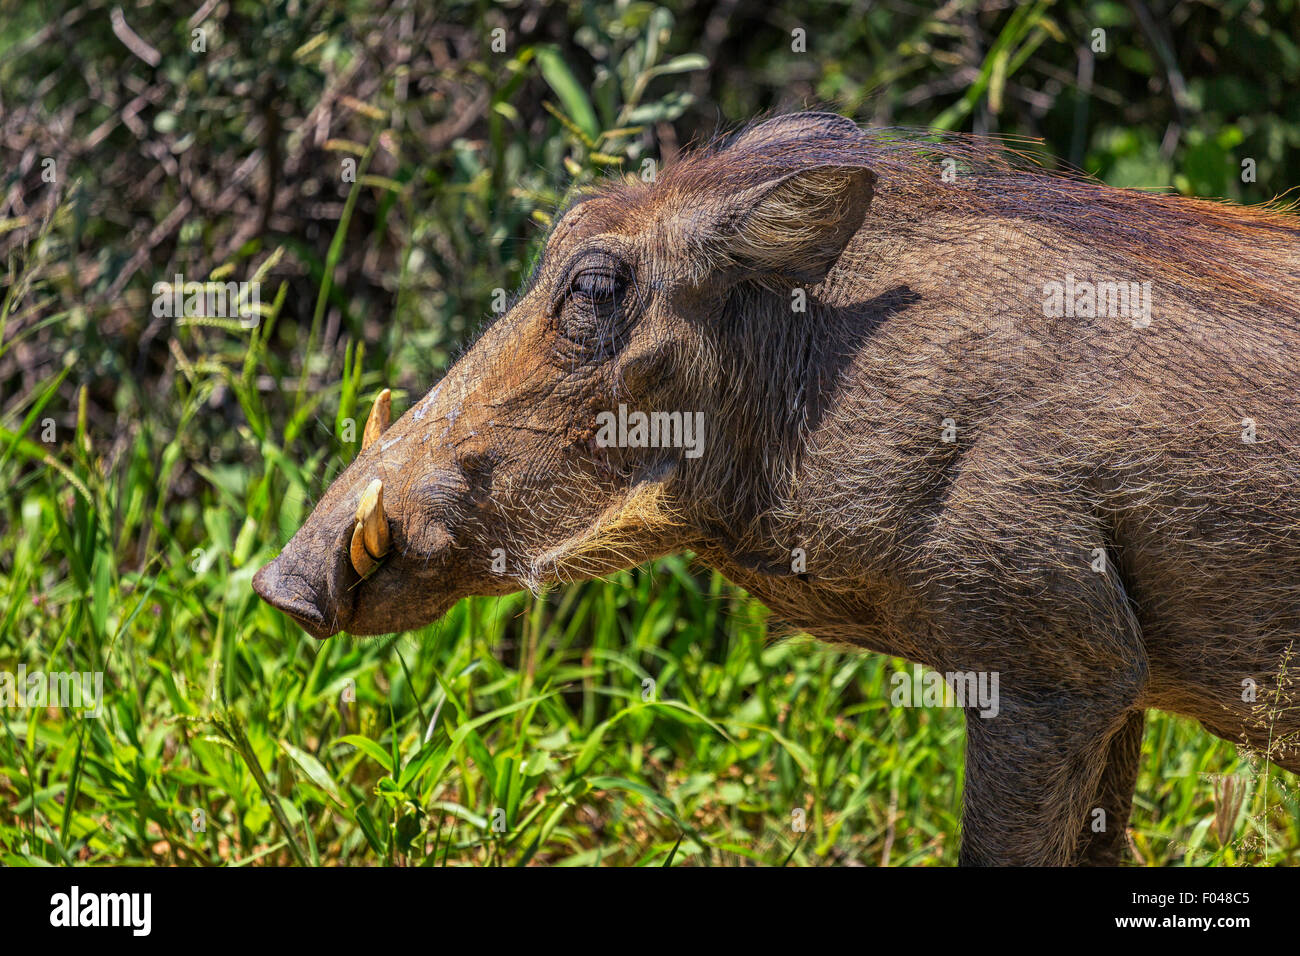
[370,539]
[362,562]
[380,415]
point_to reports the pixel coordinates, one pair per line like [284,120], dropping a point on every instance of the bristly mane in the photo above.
[1197,244]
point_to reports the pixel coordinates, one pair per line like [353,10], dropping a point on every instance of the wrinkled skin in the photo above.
[1093,527]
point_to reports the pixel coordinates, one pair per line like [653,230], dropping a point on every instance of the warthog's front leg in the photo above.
[1105,832]
[1024,584]
[1037,776]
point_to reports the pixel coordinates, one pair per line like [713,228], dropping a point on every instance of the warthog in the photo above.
[955,409]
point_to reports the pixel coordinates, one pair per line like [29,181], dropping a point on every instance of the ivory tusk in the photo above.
[370,533]
[369,517]
[380,414]
[362,562]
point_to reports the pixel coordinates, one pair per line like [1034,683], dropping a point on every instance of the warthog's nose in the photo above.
[288,587]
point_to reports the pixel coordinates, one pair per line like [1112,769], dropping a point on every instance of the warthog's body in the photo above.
[938,459]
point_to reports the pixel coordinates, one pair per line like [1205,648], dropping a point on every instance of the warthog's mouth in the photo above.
[355,591]
[319,594]
[323,583]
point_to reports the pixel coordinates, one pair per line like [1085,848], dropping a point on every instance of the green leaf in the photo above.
[313,768]
[370,748]
[370,828]
[681,64]
[561,79]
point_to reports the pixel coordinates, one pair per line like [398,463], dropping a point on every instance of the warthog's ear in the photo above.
[793,227]
[796,128]
[803,191]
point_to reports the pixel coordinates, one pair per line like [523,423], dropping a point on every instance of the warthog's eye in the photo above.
[593,310]
[601,290]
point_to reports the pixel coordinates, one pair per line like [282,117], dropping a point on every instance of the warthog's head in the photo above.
[614,414]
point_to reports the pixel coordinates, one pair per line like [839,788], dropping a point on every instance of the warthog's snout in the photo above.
[350,568]
[375,555]
[308,589]
[317,578]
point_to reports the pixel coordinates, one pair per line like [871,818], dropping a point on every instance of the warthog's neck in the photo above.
[802,498]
